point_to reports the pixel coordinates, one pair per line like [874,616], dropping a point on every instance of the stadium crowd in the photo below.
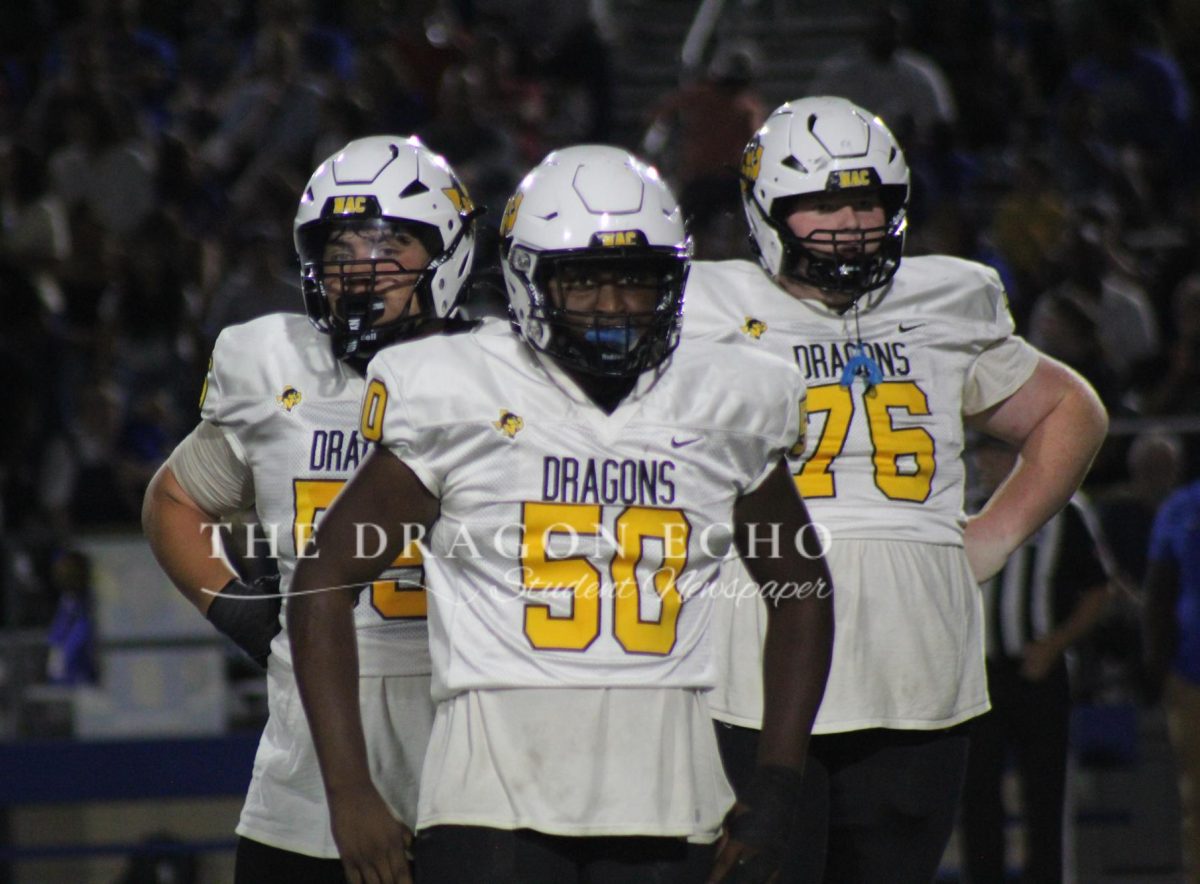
[151,152]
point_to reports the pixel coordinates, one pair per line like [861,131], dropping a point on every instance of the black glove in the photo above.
[249,614]
[765,823]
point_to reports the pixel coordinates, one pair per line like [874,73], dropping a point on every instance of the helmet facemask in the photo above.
[349,296]
[850,262]
[619,343]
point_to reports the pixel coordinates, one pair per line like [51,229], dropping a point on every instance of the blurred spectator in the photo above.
[93,473]
[105,46]
[1032,50]
[260,279]
[88,467]
[1134,85]
[884,75]
[78,329]
[189,192]
[560,60]
[212,33]
[1027,227]
[268,117]
[102,164]
[33,221]
[1154,467]
[342,117]
[1178,390]
[1050,594]
[509,98]
[21,43]
[147,436]
[432,46]
[577,65]
[959,36]
[1172,648]
[702,158]
[480,148]
[1127,92]
[1181,28]
[138,61]
[381,96]
[957,228]
[1126,328]
[1066,327]
[28,363]
[145,308]
[1089,166]
[72,635]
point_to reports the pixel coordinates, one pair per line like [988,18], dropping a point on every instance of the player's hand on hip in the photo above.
[249,614]
[370,841]
[985,553]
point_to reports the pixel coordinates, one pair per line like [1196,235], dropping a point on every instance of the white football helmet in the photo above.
[825,144]
[399,184]
[593,211]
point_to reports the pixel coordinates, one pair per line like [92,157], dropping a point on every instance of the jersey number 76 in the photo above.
[889,444]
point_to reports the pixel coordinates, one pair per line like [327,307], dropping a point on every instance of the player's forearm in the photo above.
[796,660]
[182,538]
[320,622]
[1054,459]
[797,653]
[325,656]
[799,595]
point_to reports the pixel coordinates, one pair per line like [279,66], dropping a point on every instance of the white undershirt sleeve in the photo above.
[209,469]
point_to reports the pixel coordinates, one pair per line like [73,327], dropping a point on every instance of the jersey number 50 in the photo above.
[633,529]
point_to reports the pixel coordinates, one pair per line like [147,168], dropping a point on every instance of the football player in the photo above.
[580,479]
[899,354]
[384,231]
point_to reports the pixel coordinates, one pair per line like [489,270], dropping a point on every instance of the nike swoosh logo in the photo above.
[675,443]
[907,328]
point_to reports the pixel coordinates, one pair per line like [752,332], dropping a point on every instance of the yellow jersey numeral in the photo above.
[890,445]
[392,599]
[635,529]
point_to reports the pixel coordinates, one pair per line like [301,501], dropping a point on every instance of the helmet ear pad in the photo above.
[398,183]
[591,218]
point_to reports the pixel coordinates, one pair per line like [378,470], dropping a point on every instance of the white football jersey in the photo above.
[882,470]
[576,548]
[885,463]
[290,411]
